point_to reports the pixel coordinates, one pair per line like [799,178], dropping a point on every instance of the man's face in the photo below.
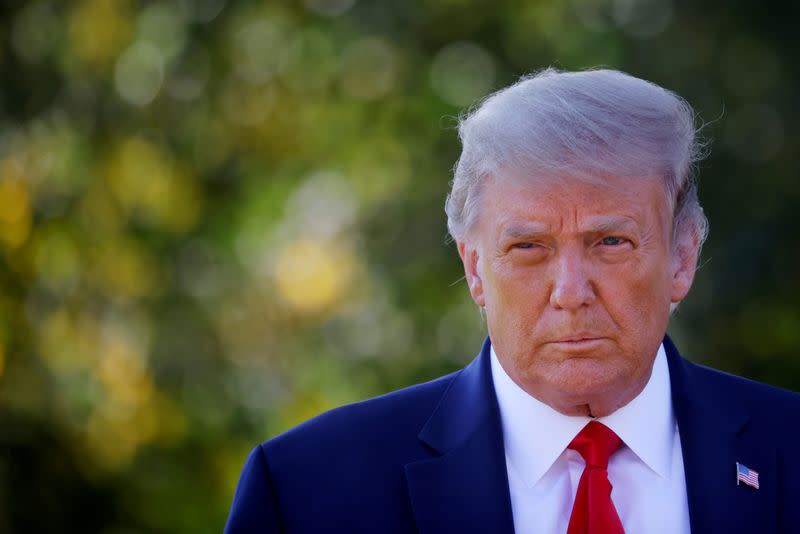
[577,279]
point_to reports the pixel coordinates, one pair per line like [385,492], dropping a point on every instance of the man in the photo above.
[576,217]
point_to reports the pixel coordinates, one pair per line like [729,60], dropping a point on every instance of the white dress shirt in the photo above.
[646,473]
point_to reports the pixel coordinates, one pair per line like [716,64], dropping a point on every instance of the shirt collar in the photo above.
[535,434]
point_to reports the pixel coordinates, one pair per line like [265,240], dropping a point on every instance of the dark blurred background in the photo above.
[218,219]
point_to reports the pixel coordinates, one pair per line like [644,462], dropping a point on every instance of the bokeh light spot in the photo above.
[122,371]
[100,29]
[56,259]
[643,18]
[15,208]
[35,31]
[312,276]
[462,72]
[139,73]
[99,212]
[113,438]
[201,11]
[380,169]
[638,18]
[14,202]
[314,64]
[369,68]
[68,341]
[162,24]
[152,187]
[323,205]
[259,48]
[123,269]
[57,153]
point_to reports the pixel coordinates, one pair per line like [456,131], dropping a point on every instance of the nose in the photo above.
[572,286]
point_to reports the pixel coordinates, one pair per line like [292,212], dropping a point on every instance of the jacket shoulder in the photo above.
[347,465]
[756,398]
[381,427]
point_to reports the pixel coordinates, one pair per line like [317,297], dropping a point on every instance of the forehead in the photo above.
[514,201]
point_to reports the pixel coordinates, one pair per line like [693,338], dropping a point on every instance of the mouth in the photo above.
[578,342]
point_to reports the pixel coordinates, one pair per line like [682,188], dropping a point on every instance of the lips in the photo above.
[579,343]
[577,338]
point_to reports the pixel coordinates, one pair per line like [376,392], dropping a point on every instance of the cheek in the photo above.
[638,298]
[513,306]
[513,288]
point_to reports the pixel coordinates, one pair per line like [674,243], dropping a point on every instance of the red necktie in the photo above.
[594,512]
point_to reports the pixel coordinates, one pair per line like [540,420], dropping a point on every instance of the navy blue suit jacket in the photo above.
[430,458]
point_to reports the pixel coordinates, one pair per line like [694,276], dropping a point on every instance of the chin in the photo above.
[585,378]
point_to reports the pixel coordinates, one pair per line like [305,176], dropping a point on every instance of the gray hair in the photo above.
[585,124]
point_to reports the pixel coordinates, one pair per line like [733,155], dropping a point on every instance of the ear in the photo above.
[684,261]
[470,258]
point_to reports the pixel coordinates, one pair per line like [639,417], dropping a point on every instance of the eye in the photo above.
[527,245]
[612,241]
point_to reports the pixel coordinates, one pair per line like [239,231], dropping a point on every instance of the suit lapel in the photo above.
[715,434]
[465,488]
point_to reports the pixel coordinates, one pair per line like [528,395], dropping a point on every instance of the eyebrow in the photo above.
[518,231]
[598,225]
[605,225]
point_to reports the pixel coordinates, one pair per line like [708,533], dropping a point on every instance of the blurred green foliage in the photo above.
[218,219]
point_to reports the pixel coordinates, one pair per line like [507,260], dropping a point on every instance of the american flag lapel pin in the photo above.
[746,476]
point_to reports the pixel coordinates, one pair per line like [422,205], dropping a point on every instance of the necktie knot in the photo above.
[596,443]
